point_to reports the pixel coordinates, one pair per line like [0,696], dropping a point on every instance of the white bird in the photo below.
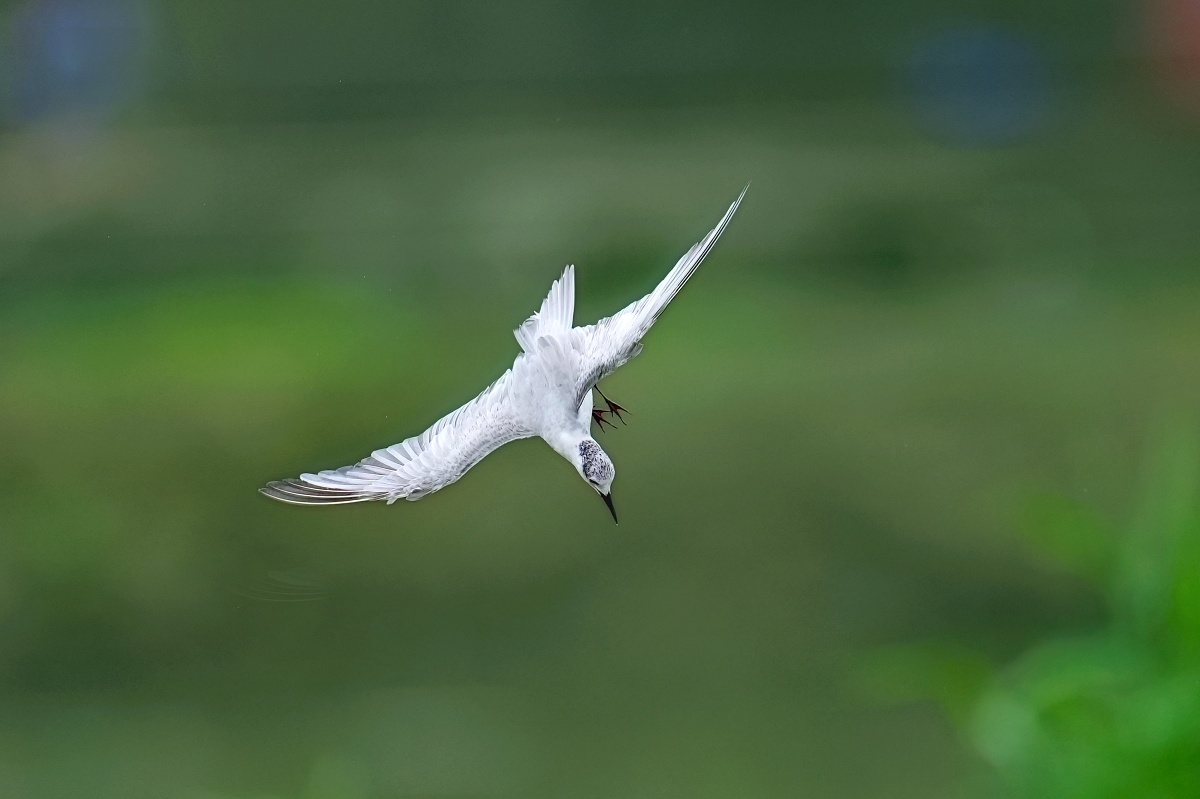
[547,393]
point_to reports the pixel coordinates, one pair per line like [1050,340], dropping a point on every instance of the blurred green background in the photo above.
[908,496]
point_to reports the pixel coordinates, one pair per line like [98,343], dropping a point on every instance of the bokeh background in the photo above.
[908,495]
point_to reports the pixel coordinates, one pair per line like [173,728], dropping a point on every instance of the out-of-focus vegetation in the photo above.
[1116,711]
[1109,709]
[242,241]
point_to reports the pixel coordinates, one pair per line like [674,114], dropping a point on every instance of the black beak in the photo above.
[608,501]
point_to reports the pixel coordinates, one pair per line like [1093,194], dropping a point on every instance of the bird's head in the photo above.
[596,468]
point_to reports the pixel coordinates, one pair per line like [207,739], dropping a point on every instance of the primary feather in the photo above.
[610,343]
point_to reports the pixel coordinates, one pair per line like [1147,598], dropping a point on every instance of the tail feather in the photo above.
[555,315]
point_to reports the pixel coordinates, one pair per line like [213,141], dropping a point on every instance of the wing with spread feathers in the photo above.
[417,466]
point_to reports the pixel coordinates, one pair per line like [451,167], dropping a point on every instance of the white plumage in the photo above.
[547,393]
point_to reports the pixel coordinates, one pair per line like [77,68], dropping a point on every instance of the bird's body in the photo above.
[546,393]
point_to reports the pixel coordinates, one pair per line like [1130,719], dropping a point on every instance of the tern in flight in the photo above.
[547,393]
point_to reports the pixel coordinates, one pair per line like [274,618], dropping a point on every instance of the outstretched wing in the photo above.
[419,465]
[611,342]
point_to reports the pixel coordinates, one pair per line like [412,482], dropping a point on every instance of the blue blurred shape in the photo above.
[979,85]
[75,57]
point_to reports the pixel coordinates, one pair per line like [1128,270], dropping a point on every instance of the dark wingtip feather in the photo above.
[295,492]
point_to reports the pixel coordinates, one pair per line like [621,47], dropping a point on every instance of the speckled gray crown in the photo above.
[596,466]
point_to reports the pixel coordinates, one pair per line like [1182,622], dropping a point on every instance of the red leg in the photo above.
[598,418]
[613,407]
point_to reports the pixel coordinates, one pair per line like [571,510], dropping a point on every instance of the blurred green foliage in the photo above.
[1088,714]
